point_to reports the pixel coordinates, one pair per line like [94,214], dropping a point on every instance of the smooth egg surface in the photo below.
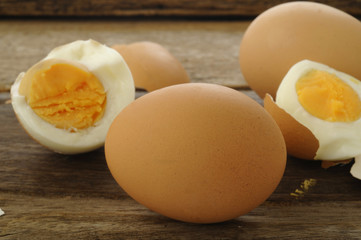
[290,32]
[196,152]
[68,100]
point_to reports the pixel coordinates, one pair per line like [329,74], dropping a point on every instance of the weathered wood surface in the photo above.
[172,8]
[49,196]
[208,50]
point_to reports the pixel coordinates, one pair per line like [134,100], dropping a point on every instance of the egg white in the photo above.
[111,70]
[337,140]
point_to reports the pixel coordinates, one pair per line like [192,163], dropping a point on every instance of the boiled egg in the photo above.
[318,109]
[68,100]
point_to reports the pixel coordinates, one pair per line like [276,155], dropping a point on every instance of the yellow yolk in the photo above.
[64,95]
[327,97]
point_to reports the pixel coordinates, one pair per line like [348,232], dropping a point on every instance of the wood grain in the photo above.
[169,8]
[49,196]
[208,50]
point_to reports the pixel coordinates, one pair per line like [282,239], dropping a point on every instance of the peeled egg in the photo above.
[196,152]
[153,66]
[318,110]
[290,32]
[68,100]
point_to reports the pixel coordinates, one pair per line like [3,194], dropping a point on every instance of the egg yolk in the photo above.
[327,97]
[65,96]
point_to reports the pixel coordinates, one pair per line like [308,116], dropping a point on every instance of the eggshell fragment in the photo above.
[327,164]
[196,152]
[290,32]
[152,66]
[300,141]
[318,109]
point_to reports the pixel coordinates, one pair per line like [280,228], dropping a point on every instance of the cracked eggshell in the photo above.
[110,68]
[152,66]
[310,137]
[338,138]
[300,141]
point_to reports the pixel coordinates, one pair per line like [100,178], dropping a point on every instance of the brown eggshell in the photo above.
[290,32]
[327,164]
[152,66]
[196,152]
[300,141]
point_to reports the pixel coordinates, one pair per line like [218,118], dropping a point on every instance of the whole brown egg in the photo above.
[196,152]
[288,33]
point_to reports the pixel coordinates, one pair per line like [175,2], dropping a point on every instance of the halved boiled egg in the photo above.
[319,112]
[68,100]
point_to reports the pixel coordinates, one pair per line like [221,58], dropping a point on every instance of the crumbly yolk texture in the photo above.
[327,97]
[66,96]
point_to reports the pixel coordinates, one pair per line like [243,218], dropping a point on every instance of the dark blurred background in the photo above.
[153,8]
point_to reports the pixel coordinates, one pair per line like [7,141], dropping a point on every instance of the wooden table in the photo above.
[49,196]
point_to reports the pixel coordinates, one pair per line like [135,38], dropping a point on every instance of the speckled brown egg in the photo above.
[196,152]
[152,65]
[290,32]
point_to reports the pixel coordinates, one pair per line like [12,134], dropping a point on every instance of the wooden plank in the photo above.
[208,50]
[50,196]
[172,8]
